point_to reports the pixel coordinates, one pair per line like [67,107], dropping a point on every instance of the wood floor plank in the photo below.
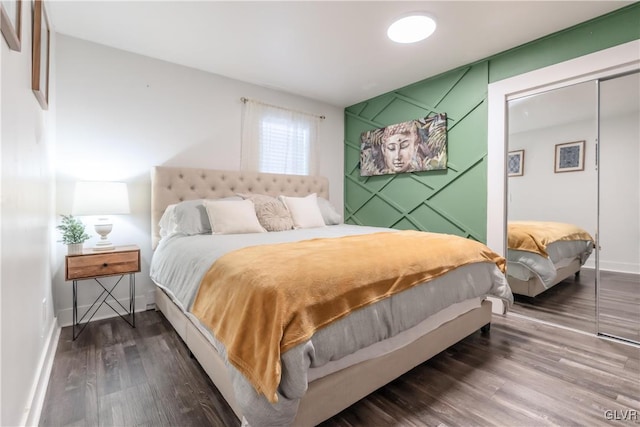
[522,373]
[572,303]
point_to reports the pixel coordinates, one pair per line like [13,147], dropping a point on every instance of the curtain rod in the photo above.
[245,100]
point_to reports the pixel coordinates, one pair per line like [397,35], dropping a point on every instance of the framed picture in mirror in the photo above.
[569,157]
[515,163]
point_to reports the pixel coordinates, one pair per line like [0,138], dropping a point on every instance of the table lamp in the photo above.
[101,198]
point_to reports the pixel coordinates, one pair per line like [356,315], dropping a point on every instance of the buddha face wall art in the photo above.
[413,146]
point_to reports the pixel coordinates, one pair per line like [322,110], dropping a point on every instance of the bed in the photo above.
[309,392]
[542,254]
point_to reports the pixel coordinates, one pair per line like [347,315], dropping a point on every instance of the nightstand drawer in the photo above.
[107,264]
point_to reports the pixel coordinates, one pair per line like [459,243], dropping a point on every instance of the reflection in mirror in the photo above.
[619,257]
[552,205]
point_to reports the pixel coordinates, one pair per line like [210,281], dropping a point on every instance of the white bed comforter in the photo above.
[180,262]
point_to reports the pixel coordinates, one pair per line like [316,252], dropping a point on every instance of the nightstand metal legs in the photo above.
[132,299]
[102,299]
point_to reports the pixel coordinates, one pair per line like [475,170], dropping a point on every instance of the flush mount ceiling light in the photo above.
[411,28]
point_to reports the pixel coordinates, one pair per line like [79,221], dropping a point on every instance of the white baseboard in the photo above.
[65,316]
[41,381]
[620,267]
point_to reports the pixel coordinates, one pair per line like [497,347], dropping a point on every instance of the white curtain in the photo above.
[278,140]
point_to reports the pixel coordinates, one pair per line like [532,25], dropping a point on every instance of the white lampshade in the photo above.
[100,198]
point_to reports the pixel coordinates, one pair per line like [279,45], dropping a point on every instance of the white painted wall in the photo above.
[28,325]
[120,113]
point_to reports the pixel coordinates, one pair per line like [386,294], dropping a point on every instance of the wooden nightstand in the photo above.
[95,265]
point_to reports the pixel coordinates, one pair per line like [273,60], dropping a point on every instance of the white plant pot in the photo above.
[74,248]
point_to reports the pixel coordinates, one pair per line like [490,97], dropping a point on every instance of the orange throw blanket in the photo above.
[534,236]
[262,300]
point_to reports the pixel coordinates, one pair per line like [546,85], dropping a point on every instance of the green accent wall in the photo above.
[455,201]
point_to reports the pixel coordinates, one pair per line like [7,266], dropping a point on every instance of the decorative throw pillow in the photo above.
[328,211]
[190,217]
[271,212]
[167,222]
[304,211]
[232,217]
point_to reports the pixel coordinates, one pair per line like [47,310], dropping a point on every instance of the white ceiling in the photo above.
[332,51]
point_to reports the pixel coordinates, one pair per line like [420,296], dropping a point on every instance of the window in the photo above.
[284,146]
[277,140]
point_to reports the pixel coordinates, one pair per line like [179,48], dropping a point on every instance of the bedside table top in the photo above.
[91,251]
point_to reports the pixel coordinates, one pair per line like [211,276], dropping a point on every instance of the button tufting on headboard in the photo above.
[173,185]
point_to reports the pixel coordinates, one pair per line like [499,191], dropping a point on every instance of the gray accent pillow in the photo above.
[329,213]
[191,216]
[271,212]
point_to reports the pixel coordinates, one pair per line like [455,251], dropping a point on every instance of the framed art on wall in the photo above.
[569,157]
[515,163]
[40,55]
[10,22]
[412,146]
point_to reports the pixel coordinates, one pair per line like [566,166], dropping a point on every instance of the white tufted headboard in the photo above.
[171,185]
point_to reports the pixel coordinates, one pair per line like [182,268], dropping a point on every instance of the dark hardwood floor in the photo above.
[620,305]
[115,375]
[522,373]
[572,303]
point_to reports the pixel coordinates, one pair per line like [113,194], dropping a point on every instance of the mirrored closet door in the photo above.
[618,309]
[552,178]
[574,158]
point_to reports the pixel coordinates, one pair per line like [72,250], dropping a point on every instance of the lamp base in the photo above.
[104,246]
[103,227]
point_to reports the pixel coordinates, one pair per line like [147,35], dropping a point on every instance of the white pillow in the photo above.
[232,217]
[304,211]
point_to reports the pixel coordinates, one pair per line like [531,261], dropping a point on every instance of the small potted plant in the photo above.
[73,234]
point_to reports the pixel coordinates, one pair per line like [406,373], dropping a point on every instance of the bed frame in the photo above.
[534,285]
[325,396]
